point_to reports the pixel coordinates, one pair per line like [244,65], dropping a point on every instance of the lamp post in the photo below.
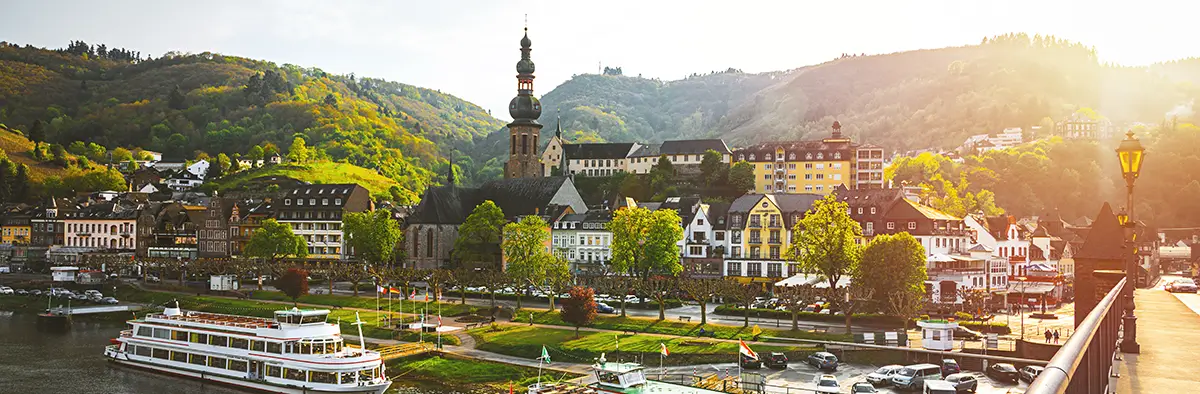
[1131,155]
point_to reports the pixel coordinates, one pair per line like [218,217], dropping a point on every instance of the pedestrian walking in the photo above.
[1048,335]
[1056,336]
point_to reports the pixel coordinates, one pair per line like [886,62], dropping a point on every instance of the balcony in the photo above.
[779,169]
[774,241]
[755,240]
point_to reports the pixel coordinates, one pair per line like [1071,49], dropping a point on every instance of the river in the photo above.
[72,362]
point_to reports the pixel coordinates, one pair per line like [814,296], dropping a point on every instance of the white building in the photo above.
[199,168]
[582,239]
[104,225]
[315,213]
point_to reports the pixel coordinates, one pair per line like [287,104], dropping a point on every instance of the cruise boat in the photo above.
[296,352]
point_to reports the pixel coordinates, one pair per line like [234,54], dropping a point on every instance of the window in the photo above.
[808,177]
[161,353]
[696,250]
[287,201]
[198,338]
[144,331]
[198,359]
[143,351]
[324,201]
[792,166]
[179,356]
[719,236]
[872,210]
[860,210]
[754,269]
[294,374]
[891,225]
[312,201]
[217,340]
[733,268]
[820,166]
[912,225]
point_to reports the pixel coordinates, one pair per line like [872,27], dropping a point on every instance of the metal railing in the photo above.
[1084,363]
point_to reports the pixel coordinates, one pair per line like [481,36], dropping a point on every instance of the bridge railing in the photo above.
[1084,363]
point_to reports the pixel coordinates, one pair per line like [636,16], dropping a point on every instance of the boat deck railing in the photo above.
[220,320]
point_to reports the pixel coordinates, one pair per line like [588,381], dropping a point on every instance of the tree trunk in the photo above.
[518,300]
[462,292]
[623,307]
[703,313]
[330,278]
[551,298]
[576,332]
[493,293]
[847,312]
[355,284]
[182,275]
[746,311]
[662,310]
[795,319]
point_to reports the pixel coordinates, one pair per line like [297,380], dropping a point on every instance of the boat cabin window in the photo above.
[346,377]
[274,371]
[301,317]
[274,347]
[608,377]
[322,377]
[144,331]
[294,374]
[238,343]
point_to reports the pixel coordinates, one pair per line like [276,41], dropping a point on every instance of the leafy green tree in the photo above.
[121,155]
[741,177]
[78,148]
[526,252]
[662,175]
[21,184]
[892,263]
[479,236]
[131,165]
[176,99]
[274,241]
[37,133]
[96,152]
[712,170]
[580,308]
[645,242]
[372,236]
[220,166]
[331,100]
[298,152]
[825,240]
[255,155]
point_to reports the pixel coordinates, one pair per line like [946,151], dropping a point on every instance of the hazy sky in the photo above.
[469,48]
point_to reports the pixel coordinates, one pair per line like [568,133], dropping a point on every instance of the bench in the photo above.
[685,318]
[629,332]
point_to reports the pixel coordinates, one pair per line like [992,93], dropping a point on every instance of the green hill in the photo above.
[182,104]
[322,172]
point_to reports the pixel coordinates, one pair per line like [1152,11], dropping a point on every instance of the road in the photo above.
[1192,300]
[798,375]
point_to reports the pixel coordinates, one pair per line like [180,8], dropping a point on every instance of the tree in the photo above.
[892,263]
[556,278]
[712,170]
[298,152]
[825,240]
[131,166]
[617,285]
[795,299]
[905,304]
[491,280]
[372,236]
[662,174]
[658,288]
[849,303]
[741,177]
[255,155]
[580,308]
[20,184]
[702,290]
[275,240]
[176,99]
[331,100]
[525,251]
[646,242]
[294,283]
[743,295]
[120,155]
[479,236]
[223,163]
[37,133]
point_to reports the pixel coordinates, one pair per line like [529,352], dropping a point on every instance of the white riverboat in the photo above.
[296,352]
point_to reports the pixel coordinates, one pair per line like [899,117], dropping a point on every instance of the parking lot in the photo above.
[802,378]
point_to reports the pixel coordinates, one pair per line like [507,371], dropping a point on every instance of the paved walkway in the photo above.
[1169,333]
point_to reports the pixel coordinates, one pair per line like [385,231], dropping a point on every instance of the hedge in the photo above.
[449,295]
[858,318]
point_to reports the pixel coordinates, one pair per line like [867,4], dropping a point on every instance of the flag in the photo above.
[414,294]
[545,355]
[439,320]
[426,295]
[394,290]
[510,388]
[380,289]
[745,350]
[664,350]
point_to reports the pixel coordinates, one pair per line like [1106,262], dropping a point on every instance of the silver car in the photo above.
[963,382]
[883,375]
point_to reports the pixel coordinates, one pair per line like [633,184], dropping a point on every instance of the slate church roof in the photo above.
[516,197]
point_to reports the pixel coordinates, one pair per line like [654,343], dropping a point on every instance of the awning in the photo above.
[817,281]
[1030,287]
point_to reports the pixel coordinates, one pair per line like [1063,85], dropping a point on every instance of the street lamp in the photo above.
[1131,154]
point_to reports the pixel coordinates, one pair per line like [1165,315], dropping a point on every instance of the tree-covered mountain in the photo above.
[183,104]
[902,101]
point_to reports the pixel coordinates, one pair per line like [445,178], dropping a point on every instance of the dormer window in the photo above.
[324,201]
[751,157]
[820,156]
[837,155]
[741,157]
[792,156]
[287,201]
[337,201]
[767,156]
[808,156]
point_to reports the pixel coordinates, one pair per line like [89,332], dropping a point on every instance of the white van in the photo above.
[914,376]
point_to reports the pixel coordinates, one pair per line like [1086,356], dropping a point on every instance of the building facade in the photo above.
[315,213]
[759,227]
[107,225]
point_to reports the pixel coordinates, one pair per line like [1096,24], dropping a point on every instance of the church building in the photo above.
[525,109]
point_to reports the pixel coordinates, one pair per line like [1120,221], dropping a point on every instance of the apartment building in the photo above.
[315,213]
[813,166]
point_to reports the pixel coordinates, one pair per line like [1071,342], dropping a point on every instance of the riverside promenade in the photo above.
[1169,335]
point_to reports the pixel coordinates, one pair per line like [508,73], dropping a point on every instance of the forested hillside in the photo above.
[902,101]
[185,104]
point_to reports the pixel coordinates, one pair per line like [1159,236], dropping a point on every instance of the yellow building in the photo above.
[813,166]
[759,227]
[15,227]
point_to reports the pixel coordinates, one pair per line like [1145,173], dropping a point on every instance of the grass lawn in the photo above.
[453,374]
[371,329]
[321,172]
[527,342]
[672,327]
[349,301]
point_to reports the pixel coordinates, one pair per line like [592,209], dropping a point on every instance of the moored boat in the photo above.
[296,352]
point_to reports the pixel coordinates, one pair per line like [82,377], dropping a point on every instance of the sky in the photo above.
[470,48]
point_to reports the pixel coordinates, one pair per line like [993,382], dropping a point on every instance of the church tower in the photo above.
[524,130]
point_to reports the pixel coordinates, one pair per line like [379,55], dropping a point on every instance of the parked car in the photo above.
[777,360]
[939,387]
[604,308]
[602,298]
[914,376]
[6,290]
[823,361]
[950,366]
[863,388]
[631,299]
[79,297]
[1184,285]
[1029,373]
[95,298]
[828,384]
[109,301]
[93,293]
[153,279]
[966,333]
[750,362]
[883,375]
[22,292]
[1003,371]
[963,382]
[35,292]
